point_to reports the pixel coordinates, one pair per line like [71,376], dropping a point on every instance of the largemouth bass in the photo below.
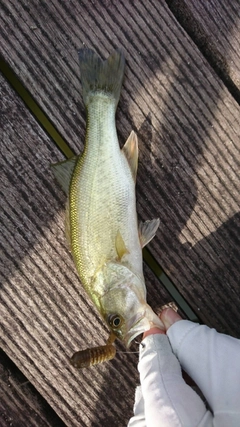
[105,238]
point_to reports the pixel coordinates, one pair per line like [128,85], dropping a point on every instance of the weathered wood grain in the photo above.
[45,313]
[20,403]
[186,120]
[214,26]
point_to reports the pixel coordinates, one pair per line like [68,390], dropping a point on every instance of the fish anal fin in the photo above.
[130,150]
[63,172]
[147,231]
[120,246]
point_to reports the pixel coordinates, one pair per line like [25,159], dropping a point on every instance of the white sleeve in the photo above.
[138,420]
[213,361]
[166,399]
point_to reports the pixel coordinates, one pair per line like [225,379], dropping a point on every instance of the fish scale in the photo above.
[106,241]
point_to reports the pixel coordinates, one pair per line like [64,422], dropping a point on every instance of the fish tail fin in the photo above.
[101,76]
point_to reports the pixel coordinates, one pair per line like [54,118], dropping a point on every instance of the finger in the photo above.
[153,331]
[168,316]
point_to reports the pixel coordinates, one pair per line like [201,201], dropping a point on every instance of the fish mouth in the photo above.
[139,324]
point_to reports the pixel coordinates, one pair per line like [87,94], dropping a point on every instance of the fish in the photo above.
[102,227]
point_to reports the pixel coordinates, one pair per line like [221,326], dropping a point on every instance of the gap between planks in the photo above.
[59,141]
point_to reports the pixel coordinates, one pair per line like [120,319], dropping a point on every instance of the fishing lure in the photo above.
[105,237]
[93,356]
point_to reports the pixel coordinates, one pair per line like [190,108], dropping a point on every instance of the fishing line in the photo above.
[127,352]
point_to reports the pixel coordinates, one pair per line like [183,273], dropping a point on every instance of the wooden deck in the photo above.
[181,94]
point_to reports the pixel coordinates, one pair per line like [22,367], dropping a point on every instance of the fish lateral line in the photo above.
[101,217]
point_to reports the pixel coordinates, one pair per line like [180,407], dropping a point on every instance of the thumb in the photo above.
[169,317]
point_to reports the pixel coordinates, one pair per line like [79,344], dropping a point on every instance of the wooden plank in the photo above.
[20,403]
[214,26]
[45,313]
[186,119]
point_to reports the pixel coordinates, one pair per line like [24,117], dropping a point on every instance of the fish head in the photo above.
[124,306]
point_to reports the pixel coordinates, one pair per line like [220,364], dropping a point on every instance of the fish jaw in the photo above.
[142,323]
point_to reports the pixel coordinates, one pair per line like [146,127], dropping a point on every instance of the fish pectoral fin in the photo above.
[120,246]
[63,172]
[130,150]
[147,231]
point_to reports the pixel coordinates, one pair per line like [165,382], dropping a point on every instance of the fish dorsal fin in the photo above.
[63,172]
[120,246]
[147,231]
[130,150]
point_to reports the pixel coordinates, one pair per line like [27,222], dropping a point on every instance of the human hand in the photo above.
[168,316]
[164,398]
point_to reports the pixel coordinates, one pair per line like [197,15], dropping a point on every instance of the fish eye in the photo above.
[114,320]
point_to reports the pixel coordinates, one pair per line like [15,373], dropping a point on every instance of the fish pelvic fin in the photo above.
[63,172]
[147,231]
[130,150]
[120,246]
[101,76]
